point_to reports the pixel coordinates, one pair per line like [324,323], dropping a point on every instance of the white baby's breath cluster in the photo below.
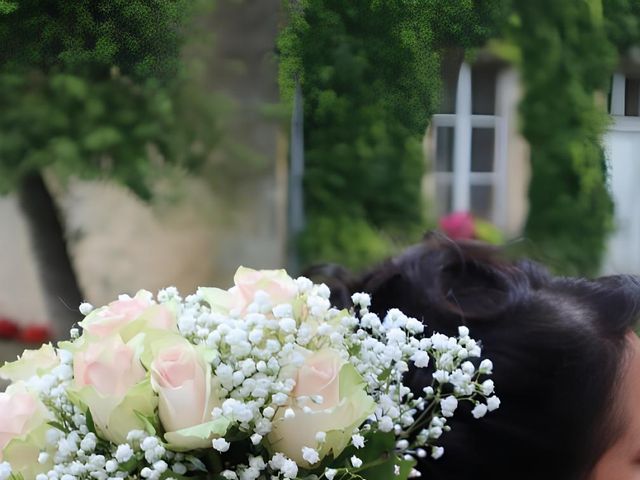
[266,380]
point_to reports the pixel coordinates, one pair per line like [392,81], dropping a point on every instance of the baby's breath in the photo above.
[253,350]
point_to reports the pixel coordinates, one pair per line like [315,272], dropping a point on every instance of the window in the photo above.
[469,137]
[625,95]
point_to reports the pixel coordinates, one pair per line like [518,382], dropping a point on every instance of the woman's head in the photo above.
[563,352]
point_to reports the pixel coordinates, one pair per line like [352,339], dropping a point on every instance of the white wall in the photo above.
[21,298]
[622,144]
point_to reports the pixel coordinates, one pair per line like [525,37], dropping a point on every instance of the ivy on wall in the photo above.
[566,60]
[370,75]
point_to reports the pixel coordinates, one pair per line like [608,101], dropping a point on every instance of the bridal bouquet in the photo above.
[265,380]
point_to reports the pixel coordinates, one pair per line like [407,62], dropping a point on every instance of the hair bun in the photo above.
[453,281]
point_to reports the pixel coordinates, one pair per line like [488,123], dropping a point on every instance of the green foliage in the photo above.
[370,78]
[88,38]
[354,242]
[465,23]
[622,22]
[7,7]
[488,232]
[93,88]
[566,58]
[379,460]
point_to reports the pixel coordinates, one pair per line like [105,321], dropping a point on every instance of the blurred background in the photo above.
[147,143]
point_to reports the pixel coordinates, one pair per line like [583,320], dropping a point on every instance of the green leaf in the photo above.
[379,452]
[129,465]
[348,475]
[90,423]
[7,7]
[171,474]
[196,434]
[197,463]
[406,466]
[102,138]
[384,375]
[148,423]
[58,425]
[487,232]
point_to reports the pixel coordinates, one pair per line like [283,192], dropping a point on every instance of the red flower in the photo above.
[8,329]
[35,334]
[458,226]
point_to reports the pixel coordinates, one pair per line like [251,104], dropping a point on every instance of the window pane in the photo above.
[482,201]
[482,149]
[444,149]
[632,97]
[483,88]
[444,197]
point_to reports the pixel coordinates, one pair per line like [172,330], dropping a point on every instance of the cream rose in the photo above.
[187,393]
[280,287]
[110,380]
[23,426]
[31,363]
[344,406]
[129,316]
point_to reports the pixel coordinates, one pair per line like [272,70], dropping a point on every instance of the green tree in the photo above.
[89,89]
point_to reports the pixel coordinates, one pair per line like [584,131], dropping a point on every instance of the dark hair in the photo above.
[557,343]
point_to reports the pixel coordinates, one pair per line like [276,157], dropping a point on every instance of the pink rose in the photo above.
[280,287]
[107,320]
[108,365]
[344,406]
[187,392]
[458,226]
[16,414]
[129,316]
[111,382]
[23,426]
[320,375]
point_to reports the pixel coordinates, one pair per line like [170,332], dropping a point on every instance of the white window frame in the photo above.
[463,121]
[621,123]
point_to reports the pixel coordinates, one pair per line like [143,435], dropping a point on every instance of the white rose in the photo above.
[31,363]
